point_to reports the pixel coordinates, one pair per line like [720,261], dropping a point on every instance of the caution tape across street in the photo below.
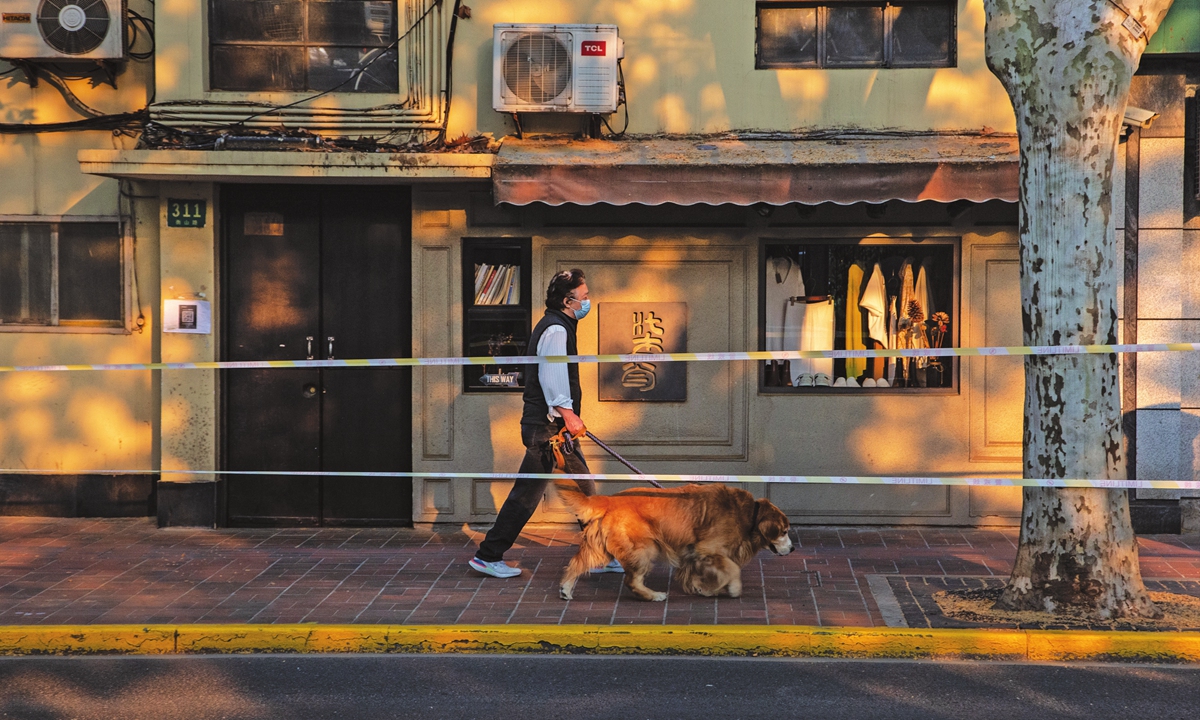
[758,356]
[679,478]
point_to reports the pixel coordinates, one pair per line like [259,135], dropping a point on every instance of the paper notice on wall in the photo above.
[187,316]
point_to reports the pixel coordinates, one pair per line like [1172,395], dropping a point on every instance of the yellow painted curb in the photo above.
[1068,645]
[86,640]
[725,640]
[917,643]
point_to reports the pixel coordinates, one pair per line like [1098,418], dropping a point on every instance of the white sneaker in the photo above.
[868,383]
[612,567]
[806,380]
[498,568]
[840,382]
[882,382]
[822,380]
[852,382]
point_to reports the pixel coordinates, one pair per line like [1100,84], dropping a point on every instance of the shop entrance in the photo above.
[316,273]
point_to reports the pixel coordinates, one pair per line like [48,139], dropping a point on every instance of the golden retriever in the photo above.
[708,532]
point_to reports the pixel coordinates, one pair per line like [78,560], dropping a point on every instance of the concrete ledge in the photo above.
[753,640]
[264,166]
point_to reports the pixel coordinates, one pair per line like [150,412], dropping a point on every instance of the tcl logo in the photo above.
[594,47]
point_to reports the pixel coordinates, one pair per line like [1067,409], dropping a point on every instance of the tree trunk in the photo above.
[1067,67]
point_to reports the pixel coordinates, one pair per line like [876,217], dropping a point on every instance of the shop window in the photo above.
[298,45]
[831,295]
[61,274]
[496,310]
[855,34]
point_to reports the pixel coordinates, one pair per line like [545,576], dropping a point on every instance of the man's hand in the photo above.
[574,425]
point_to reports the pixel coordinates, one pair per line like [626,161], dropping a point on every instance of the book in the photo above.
[497,284]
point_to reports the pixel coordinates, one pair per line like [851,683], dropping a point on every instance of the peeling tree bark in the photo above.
[1067,66]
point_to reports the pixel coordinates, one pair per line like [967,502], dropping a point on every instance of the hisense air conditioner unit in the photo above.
[62,29]
[555,68]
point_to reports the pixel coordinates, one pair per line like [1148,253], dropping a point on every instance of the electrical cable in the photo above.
[354,75]
[441,136]
[72,99]
[116,121]
[140,322]
[624,100]
[132,19]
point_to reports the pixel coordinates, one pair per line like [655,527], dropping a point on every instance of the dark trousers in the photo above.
[527,492]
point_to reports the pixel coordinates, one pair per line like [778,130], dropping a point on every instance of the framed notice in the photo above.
[187,316]
[637,328]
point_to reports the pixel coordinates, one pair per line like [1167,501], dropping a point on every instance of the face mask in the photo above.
[584,307]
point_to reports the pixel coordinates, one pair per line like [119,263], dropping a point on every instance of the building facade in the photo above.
[320,182]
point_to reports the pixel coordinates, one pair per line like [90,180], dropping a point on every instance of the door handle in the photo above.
[329,355]
[309,339]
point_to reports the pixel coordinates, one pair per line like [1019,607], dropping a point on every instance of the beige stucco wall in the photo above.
[81,421]
[726,425]
[689,67]
[190,424]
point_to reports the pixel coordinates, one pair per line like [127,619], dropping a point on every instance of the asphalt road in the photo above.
[365,687]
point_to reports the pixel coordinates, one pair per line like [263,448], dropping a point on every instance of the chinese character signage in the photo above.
[643,328]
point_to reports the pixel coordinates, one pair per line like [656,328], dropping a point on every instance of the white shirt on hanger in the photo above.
[783,281]
[874,301]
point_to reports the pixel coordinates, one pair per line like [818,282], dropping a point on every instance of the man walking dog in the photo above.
[552,402]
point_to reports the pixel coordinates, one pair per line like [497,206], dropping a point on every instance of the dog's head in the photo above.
[773,526]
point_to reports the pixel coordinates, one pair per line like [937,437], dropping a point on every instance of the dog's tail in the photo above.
[585,508]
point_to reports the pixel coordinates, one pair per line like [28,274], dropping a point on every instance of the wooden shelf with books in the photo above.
[496,310]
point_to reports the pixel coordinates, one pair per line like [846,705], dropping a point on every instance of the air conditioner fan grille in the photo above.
[537,68]
[73,27]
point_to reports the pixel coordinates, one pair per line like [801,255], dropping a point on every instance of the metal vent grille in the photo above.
[537,68]
[73,27]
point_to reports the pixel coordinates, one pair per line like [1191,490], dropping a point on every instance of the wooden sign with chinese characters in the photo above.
[645,327]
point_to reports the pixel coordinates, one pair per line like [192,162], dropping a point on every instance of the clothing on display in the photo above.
[874,301]
[783,281]
[854,321]
[809,326]
[885,287]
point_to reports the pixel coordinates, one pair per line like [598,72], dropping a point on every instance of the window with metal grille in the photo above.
[61,274]
[855,34]
[299,45]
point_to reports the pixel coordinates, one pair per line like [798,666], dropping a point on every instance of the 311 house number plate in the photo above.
[186,213]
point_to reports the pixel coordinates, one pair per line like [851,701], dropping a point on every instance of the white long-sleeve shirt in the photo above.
[556,386]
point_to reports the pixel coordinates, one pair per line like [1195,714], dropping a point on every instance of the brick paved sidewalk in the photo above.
[127,571]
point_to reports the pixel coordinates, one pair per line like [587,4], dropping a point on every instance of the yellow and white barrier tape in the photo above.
[675,478]
[636,358]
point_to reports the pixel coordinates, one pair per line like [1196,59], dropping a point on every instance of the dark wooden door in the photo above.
[333,265]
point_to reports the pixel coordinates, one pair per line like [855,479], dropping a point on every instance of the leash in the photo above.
[564,443]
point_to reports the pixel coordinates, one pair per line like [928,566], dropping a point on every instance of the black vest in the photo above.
[536,409]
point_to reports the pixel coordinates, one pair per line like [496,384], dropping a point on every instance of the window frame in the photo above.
[918,238]
[889,15]
[370,98]
[124,325]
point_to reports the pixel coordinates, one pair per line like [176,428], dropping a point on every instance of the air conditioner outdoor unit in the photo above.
[555,68]
[62,29]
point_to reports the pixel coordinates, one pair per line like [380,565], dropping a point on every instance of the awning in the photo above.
[843,170]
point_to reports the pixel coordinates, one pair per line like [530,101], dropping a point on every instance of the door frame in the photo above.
[222,339]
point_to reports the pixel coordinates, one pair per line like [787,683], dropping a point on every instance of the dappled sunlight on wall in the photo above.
[69,422]
[906,433]
[672,114]
[690,68]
